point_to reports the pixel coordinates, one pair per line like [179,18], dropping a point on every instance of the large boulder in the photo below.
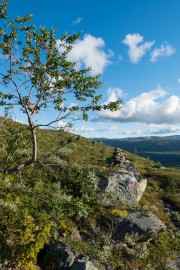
[83,265]
[125,184]
[142,225]
[58,257]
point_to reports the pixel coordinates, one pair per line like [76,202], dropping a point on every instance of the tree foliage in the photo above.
[36,75]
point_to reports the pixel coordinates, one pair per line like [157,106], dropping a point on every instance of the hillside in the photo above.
[57,205]
[165,150]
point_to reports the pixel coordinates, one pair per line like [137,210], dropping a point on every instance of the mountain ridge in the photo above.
[165,150]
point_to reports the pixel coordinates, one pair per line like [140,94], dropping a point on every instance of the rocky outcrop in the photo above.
[141,224]
[83,265]
[126,184]
[59,257]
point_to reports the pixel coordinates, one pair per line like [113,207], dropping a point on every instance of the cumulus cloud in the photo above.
[163,129]
[137,47]
[72,104]
[108,128]
[86,129]
[129,132]
[146,108]
[89,52]
[160,129]
[19,121]
[153,130]
[64,125]
[83,129]
[164,50]
[114,94]
[78,20]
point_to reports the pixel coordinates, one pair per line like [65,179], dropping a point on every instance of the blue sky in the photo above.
[135,45]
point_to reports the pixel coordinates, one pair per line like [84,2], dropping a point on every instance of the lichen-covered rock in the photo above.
[83,265]
[126,184]
[58,257]
[140,223]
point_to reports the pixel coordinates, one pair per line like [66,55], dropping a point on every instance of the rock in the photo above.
[175,216]
[125,187]
[140,223]
[83,265]
[58,257]
[126,184]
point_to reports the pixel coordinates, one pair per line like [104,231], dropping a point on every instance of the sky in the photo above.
[135,45]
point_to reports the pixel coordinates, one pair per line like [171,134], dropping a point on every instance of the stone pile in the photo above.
[118,157]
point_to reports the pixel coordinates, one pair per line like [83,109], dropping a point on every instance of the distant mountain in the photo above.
[174,136]
[163,149]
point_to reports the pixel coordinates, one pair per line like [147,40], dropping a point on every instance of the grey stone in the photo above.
[144,225]
[58,257]
[125,185]
[83,265]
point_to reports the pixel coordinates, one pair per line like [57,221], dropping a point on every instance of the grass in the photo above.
[60,193]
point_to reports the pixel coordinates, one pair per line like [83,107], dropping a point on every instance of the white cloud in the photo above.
[129,132]
[89,52]
[146,108]
[78,20]
[83,129]
[86,129]
[161,129]
[72,104]
[178,80]
[164,50]
[19,121]
[113,128]
[110,128]
[115,93]
[137,46]
[63,125]
[152,130]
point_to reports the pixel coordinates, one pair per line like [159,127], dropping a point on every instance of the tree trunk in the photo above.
[34,145]
[33,159]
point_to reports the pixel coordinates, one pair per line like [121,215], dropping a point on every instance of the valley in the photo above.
[165,150]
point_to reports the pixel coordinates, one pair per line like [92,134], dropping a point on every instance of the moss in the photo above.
[150,201]
[120,213]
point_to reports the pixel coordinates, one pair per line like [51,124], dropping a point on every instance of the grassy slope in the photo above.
[85,151]
[163,183]
[92,153]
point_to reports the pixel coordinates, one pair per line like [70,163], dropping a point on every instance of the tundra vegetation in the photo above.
[56,198]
